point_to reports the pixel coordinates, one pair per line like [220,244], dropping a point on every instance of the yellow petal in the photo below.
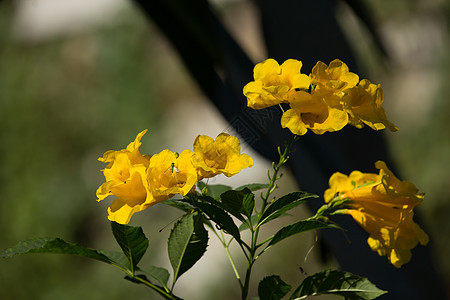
[168,174]
[125,176]
[383,206]
[219,156]
[292,120]
[121,212]
[335,121]
[267,70]
[364,104]
[273,83]
[137,142]
[335,77]
[260,96]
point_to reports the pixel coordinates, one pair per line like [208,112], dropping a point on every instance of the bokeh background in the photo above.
[78,78]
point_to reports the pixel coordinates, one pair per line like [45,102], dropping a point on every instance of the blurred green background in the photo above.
[79,79]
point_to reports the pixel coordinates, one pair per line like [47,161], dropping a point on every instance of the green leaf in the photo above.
[187,243]
[132,241]
[284,204]
[180,204]
[213,190]
[162,291]
[299,227]
[272,288]
[118,258]
[221,218]
[208,199]
[53,245]
[345,284]
[254,219]
[233,202]
[157,273]
[248,204]
[253,186]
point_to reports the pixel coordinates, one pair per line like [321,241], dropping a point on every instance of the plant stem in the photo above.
[251,258]
[147,283]
[251,261]
[283,159]
[225,245]
[250,251]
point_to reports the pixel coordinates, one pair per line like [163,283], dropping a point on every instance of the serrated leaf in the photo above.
[53,245]
[248,203]
[221,218]
[233,202]
[131,240]
[272,288]
[284,204]
[297,228]
[348,285]
[253,186]
[187,243]
[213,190]
[157,273]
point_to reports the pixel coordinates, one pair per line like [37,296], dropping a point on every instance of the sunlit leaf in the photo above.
[131,240]
[53,245]
[248,204]
[297,228]
[233,202]
[187,243]
[345,284]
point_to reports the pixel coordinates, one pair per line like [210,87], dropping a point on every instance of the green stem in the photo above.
[251,261]
[247,281]
[147,283]
[225,245]
[154,287]
[283,159]
[250,251]
[251,258]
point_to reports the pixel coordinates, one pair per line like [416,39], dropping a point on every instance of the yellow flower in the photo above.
[383,205]
[169,174]
[326,101]
[274,83]
[334,78]
[364,105]
[310,111]
[220,156]
[125,177]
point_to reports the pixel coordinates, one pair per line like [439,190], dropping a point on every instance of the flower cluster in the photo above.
[140,181]
[383,205]
[326,100]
